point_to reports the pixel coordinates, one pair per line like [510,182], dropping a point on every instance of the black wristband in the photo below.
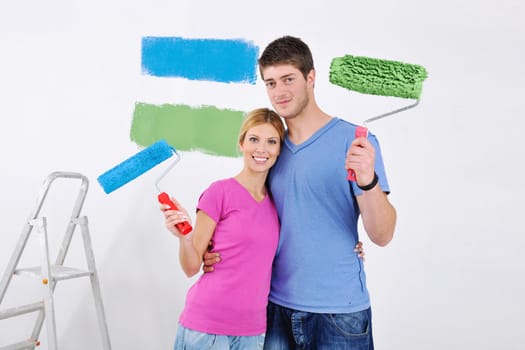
[370,185]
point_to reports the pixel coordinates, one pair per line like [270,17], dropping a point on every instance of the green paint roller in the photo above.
[377,77]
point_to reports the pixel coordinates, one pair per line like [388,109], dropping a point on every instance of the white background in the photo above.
[452,278]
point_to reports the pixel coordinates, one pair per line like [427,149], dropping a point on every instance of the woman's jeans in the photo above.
[188,339]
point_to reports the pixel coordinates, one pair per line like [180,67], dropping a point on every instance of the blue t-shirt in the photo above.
[315,268]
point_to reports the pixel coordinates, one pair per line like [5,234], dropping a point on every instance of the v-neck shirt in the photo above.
[232,300]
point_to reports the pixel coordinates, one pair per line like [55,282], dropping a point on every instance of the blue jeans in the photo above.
[293,330]
[188,339]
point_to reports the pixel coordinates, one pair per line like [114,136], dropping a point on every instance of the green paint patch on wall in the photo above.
[206,129]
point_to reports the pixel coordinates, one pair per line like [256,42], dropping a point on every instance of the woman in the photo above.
[227,309]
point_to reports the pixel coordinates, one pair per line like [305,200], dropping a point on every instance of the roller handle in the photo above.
[360,131]
[184,227]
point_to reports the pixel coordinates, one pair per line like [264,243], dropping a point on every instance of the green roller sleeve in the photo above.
[377,76]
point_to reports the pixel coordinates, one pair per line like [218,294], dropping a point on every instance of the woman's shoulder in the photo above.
[222,184]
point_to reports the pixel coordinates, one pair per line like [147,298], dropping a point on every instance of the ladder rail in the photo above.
[49,308]
[95,284]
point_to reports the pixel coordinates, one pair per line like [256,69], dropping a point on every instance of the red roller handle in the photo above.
[360,131]
[184,227]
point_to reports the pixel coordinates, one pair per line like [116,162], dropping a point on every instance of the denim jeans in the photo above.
[293,330]
[188,339]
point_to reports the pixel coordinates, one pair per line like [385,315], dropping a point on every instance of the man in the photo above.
[318,297]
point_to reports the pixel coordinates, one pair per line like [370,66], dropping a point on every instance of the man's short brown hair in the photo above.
[287,50]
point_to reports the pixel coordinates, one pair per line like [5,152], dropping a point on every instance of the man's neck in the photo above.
[304,125]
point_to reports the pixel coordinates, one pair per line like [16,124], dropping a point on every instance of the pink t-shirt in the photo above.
[232,299]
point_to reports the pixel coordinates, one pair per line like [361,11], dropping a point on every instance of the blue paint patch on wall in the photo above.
[219,60]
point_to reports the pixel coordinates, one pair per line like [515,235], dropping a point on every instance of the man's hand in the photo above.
[359,250]
[361,158]
[210,258]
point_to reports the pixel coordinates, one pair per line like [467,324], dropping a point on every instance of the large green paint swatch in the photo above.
[206,129]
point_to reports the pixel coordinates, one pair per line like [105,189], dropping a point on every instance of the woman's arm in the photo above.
[192,245]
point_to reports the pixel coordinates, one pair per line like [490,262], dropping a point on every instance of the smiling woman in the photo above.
[239,217]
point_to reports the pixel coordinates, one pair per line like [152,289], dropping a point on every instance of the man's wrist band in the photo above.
[370,185]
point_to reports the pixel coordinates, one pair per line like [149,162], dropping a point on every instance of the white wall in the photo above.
[453,276]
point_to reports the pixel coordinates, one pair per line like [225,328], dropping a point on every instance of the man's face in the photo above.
[288,91]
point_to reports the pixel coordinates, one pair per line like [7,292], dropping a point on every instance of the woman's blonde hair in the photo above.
[262,116]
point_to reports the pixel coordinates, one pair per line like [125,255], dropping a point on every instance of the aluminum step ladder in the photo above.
[49,274]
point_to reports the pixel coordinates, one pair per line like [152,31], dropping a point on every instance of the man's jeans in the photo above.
[293,330]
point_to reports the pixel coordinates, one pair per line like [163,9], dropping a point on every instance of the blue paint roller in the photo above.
[137,165]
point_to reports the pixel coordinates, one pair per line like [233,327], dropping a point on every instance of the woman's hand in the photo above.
[173,217]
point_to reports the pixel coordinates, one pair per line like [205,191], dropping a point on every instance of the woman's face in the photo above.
[260,147]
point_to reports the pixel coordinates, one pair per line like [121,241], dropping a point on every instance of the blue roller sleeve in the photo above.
[135,166]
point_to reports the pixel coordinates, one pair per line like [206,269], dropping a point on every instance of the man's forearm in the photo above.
[379,216]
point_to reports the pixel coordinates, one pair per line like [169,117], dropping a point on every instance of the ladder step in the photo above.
[58,272]
[26,344]
[20,310]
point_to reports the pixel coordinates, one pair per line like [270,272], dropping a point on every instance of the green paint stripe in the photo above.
[206,129]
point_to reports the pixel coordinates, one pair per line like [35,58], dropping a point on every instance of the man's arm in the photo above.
[211,258]
[379,216]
